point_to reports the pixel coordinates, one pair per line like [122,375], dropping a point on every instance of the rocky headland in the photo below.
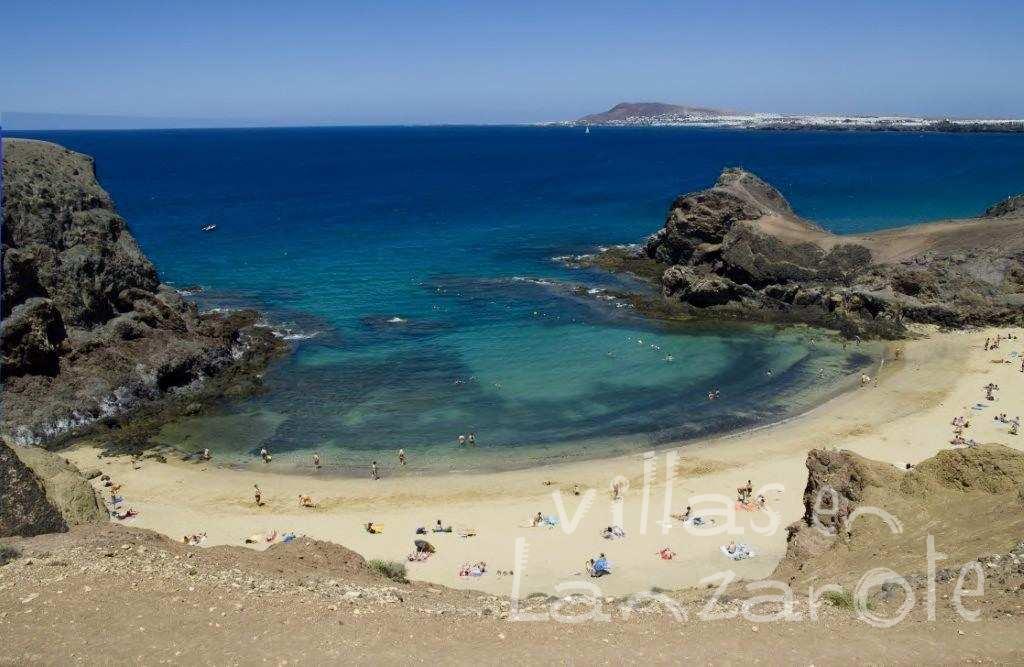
[738,251]
[659,114]
[90,336]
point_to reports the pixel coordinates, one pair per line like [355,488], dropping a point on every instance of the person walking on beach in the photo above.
[258,495]
[265,455]
[401,457]
[374,473]
[316,460]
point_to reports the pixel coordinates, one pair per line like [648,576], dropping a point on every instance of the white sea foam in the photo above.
[285,332]
[532,281]
[296,336]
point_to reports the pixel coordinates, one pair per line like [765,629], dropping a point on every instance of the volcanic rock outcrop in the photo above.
[89,333]
[860,513]
[738,250]
[43,493]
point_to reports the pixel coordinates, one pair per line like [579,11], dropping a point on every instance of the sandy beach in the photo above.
[903,415]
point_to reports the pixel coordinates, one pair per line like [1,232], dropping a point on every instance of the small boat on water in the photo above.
[588,130]
[209,228]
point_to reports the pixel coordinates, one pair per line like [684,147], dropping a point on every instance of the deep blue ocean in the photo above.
[413,271]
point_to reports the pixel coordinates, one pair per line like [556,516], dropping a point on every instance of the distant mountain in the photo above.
[636,112]
[661,114]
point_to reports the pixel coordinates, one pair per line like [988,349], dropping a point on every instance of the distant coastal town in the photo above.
[657,114]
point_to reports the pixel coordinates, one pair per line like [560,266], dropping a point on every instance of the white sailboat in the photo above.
[588,130]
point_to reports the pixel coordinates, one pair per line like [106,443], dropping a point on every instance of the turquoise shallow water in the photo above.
[412,268]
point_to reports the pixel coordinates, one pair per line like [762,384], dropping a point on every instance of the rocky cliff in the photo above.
[860,513]
[738,250]
[43,493]
[89,334]
[25,509]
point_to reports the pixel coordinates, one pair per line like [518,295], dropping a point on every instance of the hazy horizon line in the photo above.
[30,121]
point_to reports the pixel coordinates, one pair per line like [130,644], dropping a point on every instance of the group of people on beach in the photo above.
[960,425]
[115,501]
[595,567]
[318,461]
[993,343]
[1014,423]
[745,499]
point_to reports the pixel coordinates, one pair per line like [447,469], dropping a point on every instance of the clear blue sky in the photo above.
[296,62]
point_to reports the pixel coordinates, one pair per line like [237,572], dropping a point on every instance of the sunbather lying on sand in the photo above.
[374,528]
[613,533]
[737,551]
[306,501]
[269,537]
[599,567]
[683,516]
[474,570]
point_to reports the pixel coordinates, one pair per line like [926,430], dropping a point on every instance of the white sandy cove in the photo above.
[904,418]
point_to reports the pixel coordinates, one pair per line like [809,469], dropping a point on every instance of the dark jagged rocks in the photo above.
[89,334]
[737,250]
[1009,206]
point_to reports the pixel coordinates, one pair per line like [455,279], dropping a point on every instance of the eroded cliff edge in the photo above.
[738,250]
[89,334]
